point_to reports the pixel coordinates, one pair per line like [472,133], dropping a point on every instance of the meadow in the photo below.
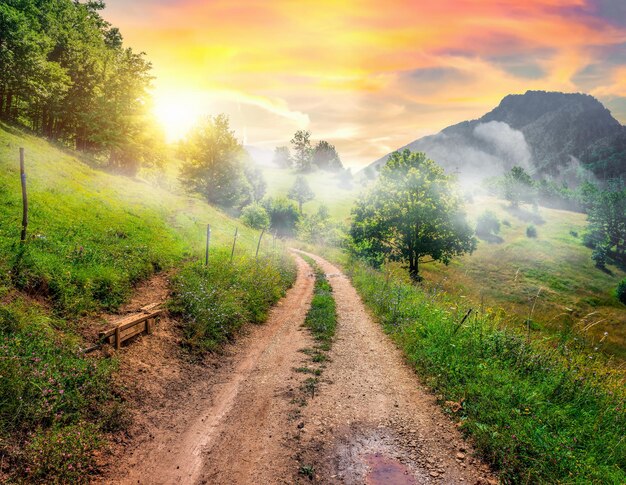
[552,273]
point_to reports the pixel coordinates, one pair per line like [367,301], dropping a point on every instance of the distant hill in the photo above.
[565,136]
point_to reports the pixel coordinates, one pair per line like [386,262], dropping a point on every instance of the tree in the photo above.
[283,214]
[518,187]
[607,219]
[213,165]
[301,142]
[320,229]
[255,178]
[255,216]
[282,157]
[301,192]
[409,214]
[325,156]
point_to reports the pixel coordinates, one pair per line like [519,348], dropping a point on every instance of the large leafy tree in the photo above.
[412,214]
[214,164]
[282,157]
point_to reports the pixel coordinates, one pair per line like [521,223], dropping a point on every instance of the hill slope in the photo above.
[547,132]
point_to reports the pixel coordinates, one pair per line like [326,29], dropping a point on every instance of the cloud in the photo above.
[362,73]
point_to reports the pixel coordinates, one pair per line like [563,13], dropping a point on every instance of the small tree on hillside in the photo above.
[255,216]
[607,219]
[214,163]
[487,224]
[519,187]
[411,213]
[301,192]
[303,152]
[325,156]
[282,157]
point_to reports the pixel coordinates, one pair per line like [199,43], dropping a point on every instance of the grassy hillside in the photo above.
[92,236]
[509,272]
[325,186]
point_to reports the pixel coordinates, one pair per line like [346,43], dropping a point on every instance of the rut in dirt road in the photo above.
[374,423]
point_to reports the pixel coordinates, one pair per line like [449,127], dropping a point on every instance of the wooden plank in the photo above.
[130,321]
[150,307]
[118,338]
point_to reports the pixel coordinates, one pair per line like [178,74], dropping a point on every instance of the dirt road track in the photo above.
[370,422]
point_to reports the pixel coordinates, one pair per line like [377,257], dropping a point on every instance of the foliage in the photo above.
[282,157]
[518,187]
[256,179]
[284,215]
[531,231]
[487,224]
[538,413]
[620,292]
[325,156]
[301,192]
[320,229]
[607,219]
[255,216]
[214,163]
[65,74]
[216,301]
[47,392]
[410,213]
[599,256]
[303,153]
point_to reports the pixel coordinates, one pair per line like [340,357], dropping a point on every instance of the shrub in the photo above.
[255,216]
[599,256]
[216,301]
[506,222]
[573,233]
[531,231]
[621,291]
[487,224]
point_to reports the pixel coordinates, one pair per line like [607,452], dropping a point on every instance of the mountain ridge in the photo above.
[567,136]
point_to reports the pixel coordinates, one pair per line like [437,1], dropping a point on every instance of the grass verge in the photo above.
[539,412]
[216,301]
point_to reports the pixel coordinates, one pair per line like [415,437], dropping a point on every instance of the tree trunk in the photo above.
[300,206]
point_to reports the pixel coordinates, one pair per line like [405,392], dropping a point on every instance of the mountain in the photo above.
[568,137]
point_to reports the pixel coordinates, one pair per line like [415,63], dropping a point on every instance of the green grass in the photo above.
[508,275]
[321,318]
[92,236]
[216,301]
[324,185]
[539,411]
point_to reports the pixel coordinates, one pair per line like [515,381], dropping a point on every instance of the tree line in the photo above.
[66,75]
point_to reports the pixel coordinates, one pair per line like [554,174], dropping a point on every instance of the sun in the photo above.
[177,114]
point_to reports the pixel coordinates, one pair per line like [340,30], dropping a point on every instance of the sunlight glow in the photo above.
[178,114]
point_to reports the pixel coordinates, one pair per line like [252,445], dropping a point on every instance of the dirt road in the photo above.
[243,422]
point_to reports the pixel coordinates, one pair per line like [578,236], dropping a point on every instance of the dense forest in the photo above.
[66,74]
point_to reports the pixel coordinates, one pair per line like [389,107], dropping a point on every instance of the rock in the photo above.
[460,456]
[434,474]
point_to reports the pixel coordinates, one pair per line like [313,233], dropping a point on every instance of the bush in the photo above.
[216,301]
[255,216]
[531,231]
[506,222]
[487,224]
[599,256]
[621,291]
[573,233]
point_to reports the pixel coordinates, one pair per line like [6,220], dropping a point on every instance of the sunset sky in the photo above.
[368,76]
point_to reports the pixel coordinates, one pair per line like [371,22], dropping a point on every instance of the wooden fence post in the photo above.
[208,241]
[24,197]
[259,244]
[232,253]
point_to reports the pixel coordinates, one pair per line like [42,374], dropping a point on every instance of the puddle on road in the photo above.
[387,471]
